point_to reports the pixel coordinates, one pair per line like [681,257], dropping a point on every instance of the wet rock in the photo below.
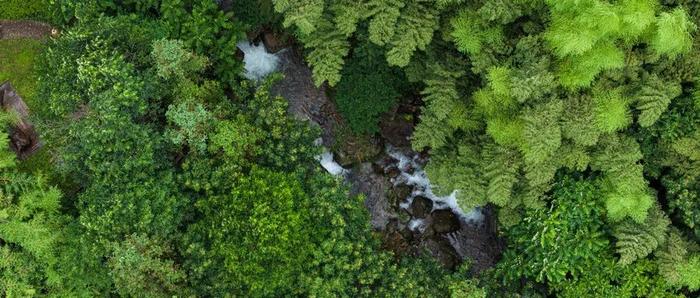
[421,207]
[396,242]
[408,234]
[392,172]
[402,191]
[478,243]
[344,159]
[397,129]
[441,249]
[377,168]
[274,42]
[404,216]
[374,187]
[444,221]
[388,161]
[357,149]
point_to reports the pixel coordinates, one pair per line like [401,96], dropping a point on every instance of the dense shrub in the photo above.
[368,89]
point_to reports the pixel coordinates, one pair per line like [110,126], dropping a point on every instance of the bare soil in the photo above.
[24,29]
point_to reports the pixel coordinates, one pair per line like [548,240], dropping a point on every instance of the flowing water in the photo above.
[258,62]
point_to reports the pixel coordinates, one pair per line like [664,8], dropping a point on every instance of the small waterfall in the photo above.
[412,174]
[258,62]
[327,162]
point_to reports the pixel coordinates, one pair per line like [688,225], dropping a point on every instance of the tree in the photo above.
[550,244]
[30,229]
[636,241]
[679,262]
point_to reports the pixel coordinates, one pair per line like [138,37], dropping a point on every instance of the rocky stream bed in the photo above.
[410,218]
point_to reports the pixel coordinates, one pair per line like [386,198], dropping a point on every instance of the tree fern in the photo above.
[499,80]
[348,15]
[653,98]
[679,262]
[577,29]
[578,121]
[573,156]
[501,172]
[459,171]
[626,193]
[470,34]
[304,14]
[636,241]
[611,110]
[581,70]
[414,31]
[442,99]
[385,14]
[636,16]
[328,51]
[505,131]
[688,146]
[541,134]
[673,33]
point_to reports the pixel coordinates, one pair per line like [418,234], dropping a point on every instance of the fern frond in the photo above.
[653,98]
[636,241]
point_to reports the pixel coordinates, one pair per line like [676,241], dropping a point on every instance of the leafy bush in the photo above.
[367,90]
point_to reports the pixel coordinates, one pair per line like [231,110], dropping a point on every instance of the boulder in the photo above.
[441,249]
[445,221]
[421,207]
[274,42]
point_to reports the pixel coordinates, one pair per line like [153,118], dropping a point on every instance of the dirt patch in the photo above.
[24,29]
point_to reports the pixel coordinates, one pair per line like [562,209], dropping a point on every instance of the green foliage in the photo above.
[611,111]
[310,240]
[670,151]
[679,262]
[173,61]
[653,99]
[274,229]
[30,224]
[19,10]
[636,241]
[325,26]
[367,89]
[605,278]
[673,33]
[549,244]
[193,122]
[18,57]
[138,269]
[145,111]
[541,136]
[442,104]
[208,32]
[414,30]
[625,191]
[256,13]
[304,15]
[584,34]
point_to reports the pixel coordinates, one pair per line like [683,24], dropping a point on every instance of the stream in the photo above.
[399,197]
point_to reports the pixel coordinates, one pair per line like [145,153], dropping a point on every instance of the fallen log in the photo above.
[23,137]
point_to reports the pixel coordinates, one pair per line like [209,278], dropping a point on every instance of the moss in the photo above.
[24,9]
[17,57]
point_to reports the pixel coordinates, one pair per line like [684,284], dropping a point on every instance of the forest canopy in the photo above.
[166,171]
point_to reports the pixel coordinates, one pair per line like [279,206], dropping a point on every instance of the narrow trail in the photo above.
[24,29]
